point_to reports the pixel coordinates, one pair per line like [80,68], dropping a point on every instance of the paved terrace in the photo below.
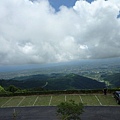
[49,113]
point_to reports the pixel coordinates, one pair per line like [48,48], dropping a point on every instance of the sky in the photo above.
[69,3]
[42,31]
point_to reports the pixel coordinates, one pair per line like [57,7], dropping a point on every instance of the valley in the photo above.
[58,74]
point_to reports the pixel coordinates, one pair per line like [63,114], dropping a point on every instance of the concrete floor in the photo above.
[49,113]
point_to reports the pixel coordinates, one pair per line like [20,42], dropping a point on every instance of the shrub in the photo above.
[70,110]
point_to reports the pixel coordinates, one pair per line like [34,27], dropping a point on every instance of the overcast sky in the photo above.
[35,32]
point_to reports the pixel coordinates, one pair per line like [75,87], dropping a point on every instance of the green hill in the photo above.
[113,79]
[54,82]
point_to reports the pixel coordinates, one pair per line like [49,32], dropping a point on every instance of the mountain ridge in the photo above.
[54,82]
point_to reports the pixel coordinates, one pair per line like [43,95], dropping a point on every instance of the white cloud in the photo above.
[32,32]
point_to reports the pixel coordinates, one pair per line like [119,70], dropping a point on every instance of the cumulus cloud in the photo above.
[33,32]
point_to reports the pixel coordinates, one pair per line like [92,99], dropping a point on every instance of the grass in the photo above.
[53,100]
[57,99]
[90,100]
[76,98]
[43,101]
[13,102]
[107,100]
[28,101]
[4,100]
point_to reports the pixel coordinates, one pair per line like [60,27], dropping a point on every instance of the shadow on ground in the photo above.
[49,113]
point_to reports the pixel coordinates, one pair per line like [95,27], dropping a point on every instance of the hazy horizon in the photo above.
[13,68]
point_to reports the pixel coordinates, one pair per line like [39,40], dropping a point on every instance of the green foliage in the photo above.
[54,82]
[113,79]
[70,110]
[12,89]
[2,90]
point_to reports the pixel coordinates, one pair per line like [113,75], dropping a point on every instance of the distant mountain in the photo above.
[80,67]
[54,81]
[73,81]
[113,79]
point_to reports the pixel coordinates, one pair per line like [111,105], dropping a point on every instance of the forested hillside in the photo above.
[53,82]
[113,79]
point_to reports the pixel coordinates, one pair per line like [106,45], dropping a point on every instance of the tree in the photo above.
[70,110]
[12,89]
[2,90]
